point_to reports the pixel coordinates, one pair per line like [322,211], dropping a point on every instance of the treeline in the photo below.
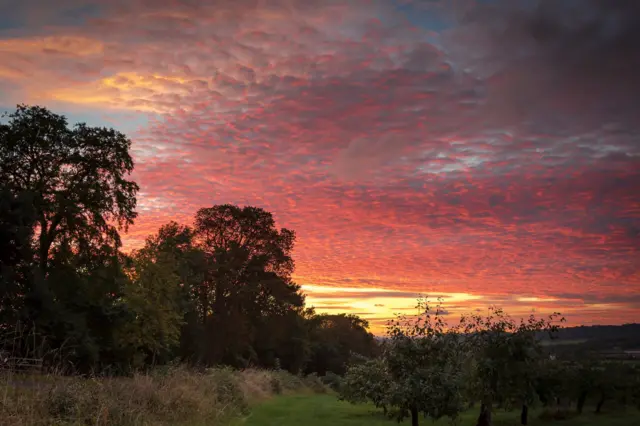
[430,369]
[599,341]
[217,292]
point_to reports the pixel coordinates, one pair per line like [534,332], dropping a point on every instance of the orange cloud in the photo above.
[127,90]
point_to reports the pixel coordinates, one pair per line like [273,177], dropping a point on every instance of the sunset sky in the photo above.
[484,151]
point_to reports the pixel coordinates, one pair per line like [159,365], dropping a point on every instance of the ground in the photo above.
[321,410]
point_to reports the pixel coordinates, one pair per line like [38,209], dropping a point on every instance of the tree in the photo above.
[174,245]
[77,176]
[153,303]
[507,356]
[367,381]
[335,338]
[16,232]
[248,278]
[426,363]
[76,181]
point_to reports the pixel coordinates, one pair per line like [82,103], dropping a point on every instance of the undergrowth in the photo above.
[175,396]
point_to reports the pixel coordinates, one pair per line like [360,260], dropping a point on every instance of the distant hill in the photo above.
[601,332]
[603,341]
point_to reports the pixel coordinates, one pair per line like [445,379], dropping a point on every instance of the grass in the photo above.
[320,410]
[174,396]
[217,397]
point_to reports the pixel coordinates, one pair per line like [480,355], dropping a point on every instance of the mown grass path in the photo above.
[321,410]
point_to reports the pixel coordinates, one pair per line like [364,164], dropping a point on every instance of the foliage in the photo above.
[426,364]
[152,299]
[506,356]
[430,368]
[421,369]
[368,381]
[332,380]
[75,181]
[219,292]
[334,339]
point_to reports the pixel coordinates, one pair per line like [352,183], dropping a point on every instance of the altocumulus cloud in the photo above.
[488,150]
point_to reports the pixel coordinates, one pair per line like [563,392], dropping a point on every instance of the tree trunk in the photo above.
[524,415]
[484,419]
[414,416]
[600,404]
[43,250]
[384,409]
[581,400]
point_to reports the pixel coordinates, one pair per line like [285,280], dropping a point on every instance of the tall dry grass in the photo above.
[172,396]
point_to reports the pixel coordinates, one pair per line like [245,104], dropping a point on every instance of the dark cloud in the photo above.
[561,63]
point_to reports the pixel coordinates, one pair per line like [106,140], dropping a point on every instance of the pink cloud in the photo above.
[397,168]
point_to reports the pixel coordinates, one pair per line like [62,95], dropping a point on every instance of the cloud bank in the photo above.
[488,150]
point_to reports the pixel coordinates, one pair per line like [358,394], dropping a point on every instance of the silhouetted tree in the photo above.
[76,181]
[507,356]
[248,278]
[77,177]
[334,338]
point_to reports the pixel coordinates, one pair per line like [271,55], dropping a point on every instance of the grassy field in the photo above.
[321,410]
[165,397]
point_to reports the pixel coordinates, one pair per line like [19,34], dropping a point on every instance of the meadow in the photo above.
[170,396]
[320,410]
[224,397]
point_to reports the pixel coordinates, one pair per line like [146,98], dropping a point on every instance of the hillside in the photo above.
[602,341]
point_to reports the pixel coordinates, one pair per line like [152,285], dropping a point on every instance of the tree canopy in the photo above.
[217,292]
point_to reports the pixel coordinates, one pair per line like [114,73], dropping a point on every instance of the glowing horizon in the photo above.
[413,152]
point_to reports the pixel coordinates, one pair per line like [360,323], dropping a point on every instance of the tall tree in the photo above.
[248,279]
[76,179]
[16,232]
[174,245]
[77,176]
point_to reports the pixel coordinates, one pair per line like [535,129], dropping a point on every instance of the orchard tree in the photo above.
[507,356]
[368,381]
[426,363]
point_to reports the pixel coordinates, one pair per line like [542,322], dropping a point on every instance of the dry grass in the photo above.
[174,396]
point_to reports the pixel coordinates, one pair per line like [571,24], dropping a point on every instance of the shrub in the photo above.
[313,382]
[332,380]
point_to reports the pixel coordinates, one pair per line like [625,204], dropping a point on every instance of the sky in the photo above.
[483,151]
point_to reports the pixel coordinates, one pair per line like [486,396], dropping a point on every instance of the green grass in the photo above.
[321,410]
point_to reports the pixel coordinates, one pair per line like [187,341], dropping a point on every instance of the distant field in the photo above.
[326,410]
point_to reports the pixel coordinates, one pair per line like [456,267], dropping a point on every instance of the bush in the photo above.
[313,382]
[229,393]
[332,380]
